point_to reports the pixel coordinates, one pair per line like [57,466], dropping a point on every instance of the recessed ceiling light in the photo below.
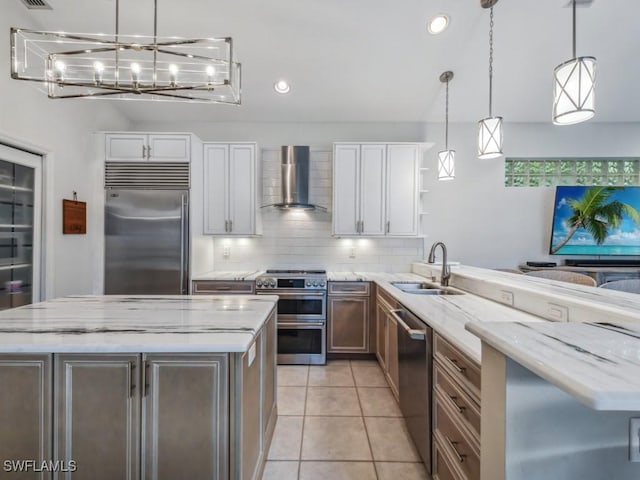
[438,24]
[282,86]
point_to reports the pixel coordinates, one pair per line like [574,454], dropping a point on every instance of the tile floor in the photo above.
[339,422]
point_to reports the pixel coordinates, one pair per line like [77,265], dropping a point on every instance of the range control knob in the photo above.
[315,283]
[322,283]
[308,283]
[272,284]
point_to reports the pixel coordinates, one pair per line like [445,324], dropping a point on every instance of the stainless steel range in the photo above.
[302,314]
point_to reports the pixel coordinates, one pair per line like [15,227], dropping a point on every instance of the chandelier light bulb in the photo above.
[173,74]
[135,74]
[60,67]
[98,68]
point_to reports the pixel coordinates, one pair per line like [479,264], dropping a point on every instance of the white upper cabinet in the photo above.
[402,189]
[142,147]
[375,189]
[230,189]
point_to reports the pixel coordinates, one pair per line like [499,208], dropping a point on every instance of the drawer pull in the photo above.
[461,456]
[454,362]
[222,288]
[454,400]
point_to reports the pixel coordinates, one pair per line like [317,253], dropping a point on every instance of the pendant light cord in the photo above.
[574,28]
[446,117]
[491,62]
[117,41]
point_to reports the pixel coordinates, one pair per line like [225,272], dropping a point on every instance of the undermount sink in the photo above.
[422,288]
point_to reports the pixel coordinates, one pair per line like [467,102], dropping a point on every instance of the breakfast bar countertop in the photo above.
[597,363]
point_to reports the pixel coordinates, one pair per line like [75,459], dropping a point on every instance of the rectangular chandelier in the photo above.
[70,65]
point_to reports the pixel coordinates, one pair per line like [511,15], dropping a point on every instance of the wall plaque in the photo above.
[74,217]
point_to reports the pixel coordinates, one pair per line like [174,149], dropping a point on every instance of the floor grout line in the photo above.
[364,423]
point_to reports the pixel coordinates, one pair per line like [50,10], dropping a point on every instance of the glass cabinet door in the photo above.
[17,202]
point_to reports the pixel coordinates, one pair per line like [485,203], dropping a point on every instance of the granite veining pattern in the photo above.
[597,363]
[143,323]
[229,276]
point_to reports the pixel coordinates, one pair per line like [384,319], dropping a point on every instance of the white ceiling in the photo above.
[373,60]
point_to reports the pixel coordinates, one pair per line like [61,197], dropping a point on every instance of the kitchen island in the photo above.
[560,400]
[166,387]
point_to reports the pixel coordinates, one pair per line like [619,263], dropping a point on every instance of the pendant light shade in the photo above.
[446,165]
[490,137]
[574,87]
[446,158]
[490,133]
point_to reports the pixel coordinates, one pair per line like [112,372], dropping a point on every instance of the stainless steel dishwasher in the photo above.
[415,344]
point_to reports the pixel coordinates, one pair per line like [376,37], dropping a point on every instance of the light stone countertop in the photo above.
[229,276]
[144,323]
[373,276]
[597,363]
[541,296]
[448,314]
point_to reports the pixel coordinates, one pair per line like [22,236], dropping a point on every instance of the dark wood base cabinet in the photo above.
[456,414]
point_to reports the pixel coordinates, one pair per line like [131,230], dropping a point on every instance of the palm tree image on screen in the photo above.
[597,214]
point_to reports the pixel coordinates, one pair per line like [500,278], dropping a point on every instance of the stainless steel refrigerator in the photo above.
[146,232]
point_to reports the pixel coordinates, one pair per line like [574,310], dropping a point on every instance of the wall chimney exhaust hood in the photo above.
[295,179]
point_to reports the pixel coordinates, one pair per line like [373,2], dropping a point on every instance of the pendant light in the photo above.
[490,135]
[574,87]
[446,158]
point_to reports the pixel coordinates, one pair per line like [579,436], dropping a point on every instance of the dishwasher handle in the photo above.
[415,334]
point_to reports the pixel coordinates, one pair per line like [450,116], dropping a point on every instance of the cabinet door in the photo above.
[25,411]
[169,148]
[97,415]
[216,185]
[242,189]
[269,376]
[346,189]
[125,147]
[185,430]
[402,189]
[393,372]
[348,324]
[372,185]
[250,392]
[381,336]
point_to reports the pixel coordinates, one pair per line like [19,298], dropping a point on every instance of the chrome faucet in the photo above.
[446,271]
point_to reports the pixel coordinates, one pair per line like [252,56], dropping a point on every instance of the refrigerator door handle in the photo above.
[183,221]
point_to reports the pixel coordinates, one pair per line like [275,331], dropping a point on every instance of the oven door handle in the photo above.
[300,324]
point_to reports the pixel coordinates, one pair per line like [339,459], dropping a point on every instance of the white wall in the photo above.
[487,224]
[61,129]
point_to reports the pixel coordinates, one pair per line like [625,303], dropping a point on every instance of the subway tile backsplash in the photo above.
[303,239]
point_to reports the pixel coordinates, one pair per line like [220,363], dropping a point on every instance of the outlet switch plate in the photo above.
[506,297]
[352,252]
[226,251]
[634,439]
[557,313]
[251,356]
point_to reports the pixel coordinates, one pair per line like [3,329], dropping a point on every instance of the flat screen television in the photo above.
[596,221]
